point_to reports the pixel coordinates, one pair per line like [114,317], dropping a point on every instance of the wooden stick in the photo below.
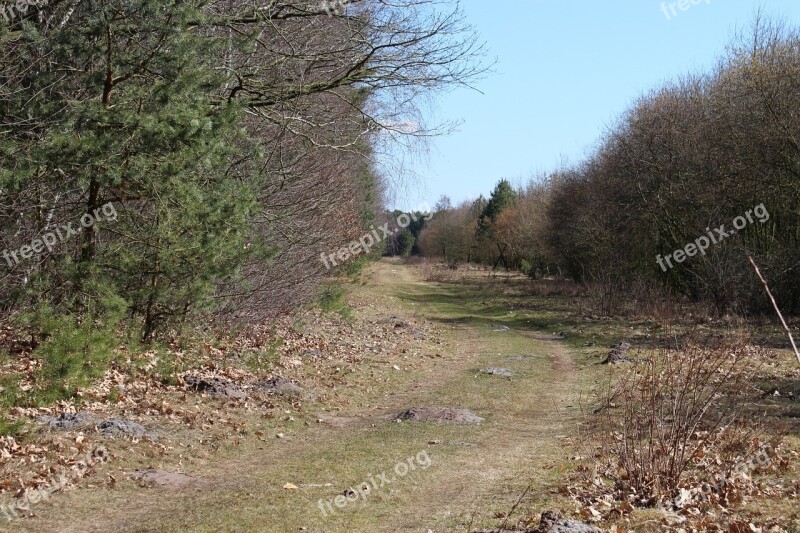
[775,305]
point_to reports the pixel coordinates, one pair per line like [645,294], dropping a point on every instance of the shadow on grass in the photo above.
[478,304]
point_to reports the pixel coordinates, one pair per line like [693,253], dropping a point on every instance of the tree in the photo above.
[405,242]
[502,196]
[234,140]
[444,204]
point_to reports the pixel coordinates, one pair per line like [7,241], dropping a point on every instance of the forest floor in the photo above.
[288,459]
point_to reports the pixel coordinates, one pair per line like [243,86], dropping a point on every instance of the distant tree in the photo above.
[444,204]
[450,234]
[405,242]
[502,197]
[521,227]
[488,249]
[478,206]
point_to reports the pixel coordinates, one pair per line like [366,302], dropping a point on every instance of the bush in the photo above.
[671,408]
[74,351]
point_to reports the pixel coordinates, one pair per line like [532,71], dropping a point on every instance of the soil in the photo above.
[618,354]
[280,385]
[162,478]
[439,414]
[503,372]
[214,386]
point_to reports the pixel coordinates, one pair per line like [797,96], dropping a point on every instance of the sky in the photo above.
[565,69]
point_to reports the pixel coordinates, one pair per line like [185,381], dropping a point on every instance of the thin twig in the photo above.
[471,520]
[775,305]
[505,522]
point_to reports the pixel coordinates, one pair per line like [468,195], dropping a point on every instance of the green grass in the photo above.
[10,427]
[263,359]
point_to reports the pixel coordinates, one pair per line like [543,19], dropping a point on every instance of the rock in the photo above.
[398,322]
[353,492]
[552,522]
[439,414]
[162,478]
[618,354]
[504,372]
[313,354]
[280,385]
[220,387]
[114,428]
[111,428]
[68,421]
[500,328]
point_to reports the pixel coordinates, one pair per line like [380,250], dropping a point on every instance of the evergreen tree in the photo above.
[405,242]
[502,196]
[120,111]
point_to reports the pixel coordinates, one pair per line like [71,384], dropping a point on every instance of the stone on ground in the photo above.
[439,414]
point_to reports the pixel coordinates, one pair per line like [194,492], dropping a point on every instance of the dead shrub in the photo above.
[669,410]
[554,287]
[438,272]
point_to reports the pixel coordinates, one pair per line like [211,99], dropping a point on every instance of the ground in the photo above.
[287,460]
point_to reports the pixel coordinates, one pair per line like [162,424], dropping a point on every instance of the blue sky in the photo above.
[565,70]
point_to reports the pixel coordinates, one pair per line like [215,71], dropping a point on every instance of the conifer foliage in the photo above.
[204,152]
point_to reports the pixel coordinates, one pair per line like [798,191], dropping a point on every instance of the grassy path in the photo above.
[473,470]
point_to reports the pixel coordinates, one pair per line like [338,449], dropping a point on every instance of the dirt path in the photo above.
[455,474]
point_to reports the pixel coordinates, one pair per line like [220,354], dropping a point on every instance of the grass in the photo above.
[528,436]
[528,420]
[10,427]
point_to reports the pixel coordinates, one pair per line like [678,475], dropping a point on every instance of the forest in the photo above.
[682,162]
[219,311]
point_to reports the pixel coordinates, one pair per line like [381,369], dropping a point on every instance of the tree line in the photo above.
[702,151]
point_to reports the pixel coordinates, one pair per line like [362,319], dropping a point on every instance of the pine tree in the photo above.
[502,196]
[121,112]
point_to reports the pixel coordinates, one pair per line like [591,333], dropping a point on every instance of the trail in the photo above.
[475,470]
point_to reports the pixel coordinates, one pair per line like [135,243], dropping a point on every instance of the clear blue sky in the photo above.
[565,69]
